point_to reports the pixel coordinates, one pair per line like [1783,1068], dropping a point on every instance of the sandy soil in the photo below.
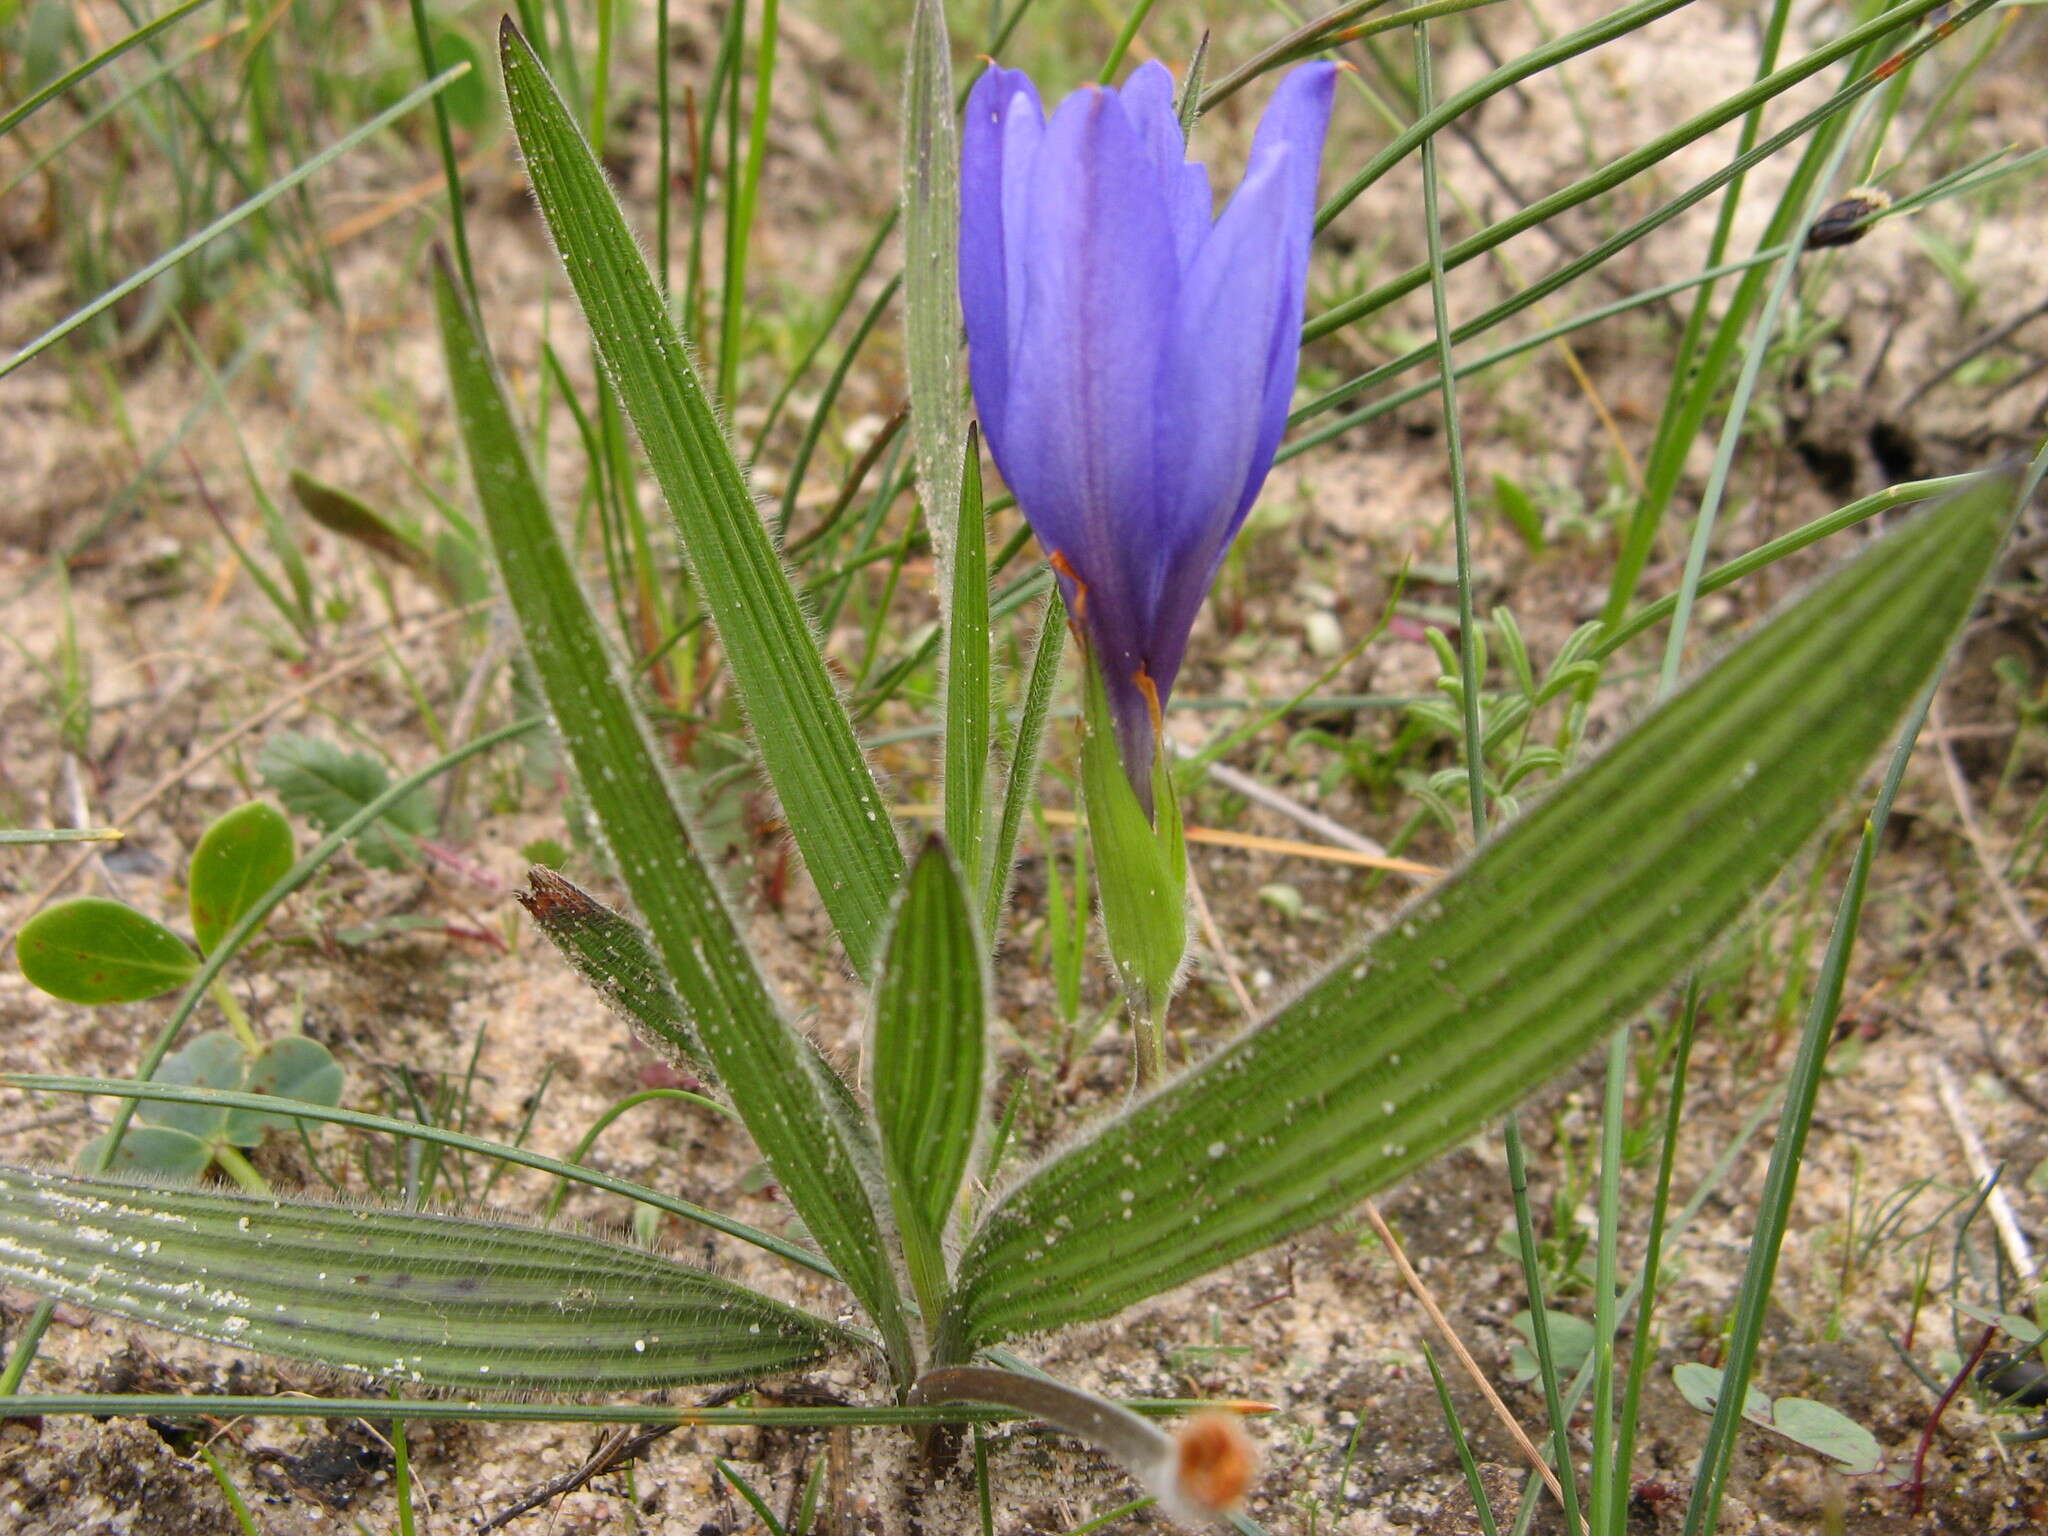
[180,650]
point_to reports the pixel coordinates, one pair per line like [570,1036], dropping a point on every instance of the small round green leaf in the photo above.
[214,1060]
[1821,1428]
[91,950]
[241,856]
[291,1067]
[156,1150]
[1701,1386]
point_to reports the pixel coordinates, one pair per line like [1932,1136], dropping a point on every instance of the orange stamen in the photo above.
[1146,686]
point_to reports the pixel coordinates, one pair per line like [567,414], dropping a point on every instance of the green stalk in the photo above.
[1122,45]
[665,147]
[1781,1182]
[1737,419]
[1454,441]
[1644,1349]
[458,226]
[1608,1470]
[740,212]
[1539,1322]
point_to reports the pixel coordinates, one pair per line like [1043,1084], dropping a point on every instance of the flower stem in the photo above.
[1148,1034]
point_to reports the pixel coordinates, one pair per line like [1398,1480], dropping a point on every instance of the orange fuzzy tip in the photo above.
[1215,1461]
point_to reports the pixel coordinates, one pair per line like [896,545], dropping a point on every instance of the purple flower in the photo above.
[1132,353]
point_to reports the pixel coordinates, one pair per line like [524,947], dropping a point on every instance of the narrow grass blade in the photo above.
[458,223]
[1891,498]
[232,217]
[928,1059]
[968,706]
[931,284]
[1627,167]
[743,194]
[1564,925]
[1781,1181]
[1469,668]
[19,836]
[799,1113]
[507,1411]
[411,1296]
[1539,1326]
[37,100]
[1467,1462]
[832,804]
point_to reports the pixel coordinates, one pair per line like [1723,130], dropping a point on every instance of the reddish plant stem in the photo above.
[1969,1368]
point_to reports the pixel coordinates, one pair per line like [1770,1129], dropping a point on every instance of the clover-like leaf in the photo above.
[291,1067]
[1571,1341]
[213,1060]
[91,950]
[241,856]
[150,1151]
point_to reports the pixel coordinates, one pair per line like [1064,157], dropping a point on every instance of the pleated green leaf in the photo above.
[412,1296]
[1561,928]
[927,1057]
[834,808]
[803,1119]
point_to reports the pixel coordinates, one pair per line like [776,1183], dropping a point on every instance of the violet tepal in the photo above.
[1132,352]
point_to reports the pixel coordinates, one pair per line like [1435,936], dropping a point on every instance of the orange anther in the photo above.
[1146,686]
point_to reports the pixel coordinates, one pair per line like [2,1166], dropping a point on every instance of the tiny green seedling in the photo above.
[95,951]
[1799,1419]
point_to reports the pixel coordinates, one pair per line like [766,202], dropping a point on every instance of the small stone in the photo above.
[1322,634]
